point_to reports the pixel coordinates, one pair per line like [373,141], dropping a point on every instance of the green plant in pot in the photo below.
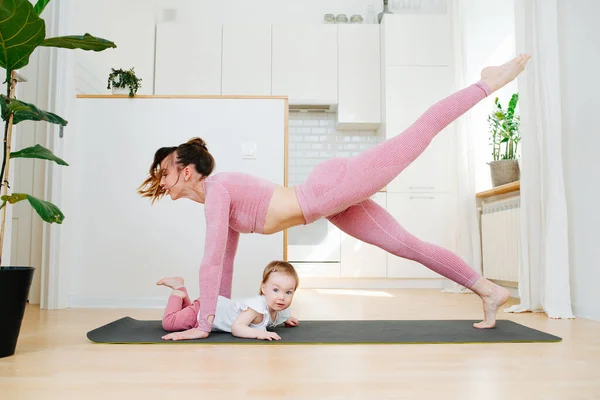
[123,81]
[21,32]
[504,125]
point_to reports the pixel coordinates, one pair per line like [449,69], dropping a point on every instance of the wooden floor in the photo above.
[54,359]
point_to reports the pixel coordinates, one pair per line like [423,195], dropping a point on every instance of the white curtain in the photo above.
[544,270]
[61,100]
[467,225]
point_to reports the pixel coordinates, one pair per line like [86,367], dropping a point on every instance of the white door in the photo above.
[246,60]
[305,63]
[359,77]
[410,92]
[431,218]
[314,243]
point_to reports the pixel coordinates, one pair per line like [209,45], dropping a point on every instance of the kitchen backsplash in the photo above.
[313,138]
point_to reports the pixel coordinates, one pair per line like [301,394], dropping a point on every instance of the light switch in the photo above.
[249,150]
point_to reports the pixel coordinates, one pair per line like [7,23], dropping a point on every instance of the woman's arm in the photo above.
[216,209]
[241,328]
[233,238]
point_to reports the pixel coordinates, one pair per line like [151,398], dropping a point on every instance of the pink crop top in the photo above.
[234,203]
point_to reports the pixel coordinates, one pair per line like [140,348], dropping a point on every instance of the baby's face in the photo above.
[279,291]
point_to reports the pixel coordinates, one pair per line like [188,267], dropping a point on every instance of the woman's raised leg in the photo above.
[336,184]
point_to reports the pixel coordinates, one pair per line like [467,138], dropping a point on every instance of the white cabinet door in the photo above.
[317,270]
[410,91]
[193,68]
[359,77]
[362,260]
[246,60]
[316,243]
[431,218]
[305,63]
[418,39]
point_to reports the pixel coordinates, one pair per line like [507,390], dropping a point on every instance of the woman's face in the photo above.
[171,178]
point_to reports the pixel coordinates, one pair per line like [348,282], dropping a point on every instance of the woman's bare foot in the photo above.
[493,297]
[173,282]
[497,77]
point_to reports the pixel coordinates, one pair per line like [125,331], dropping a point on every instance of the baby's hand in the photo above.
[292,321]
[266,335]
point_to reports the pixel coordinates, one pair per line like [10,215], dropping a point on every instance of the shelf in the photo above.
[499,190]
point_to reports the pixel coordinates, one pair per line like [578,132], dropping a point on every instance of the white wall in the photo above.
[488,39]
[130,24]
[580,57]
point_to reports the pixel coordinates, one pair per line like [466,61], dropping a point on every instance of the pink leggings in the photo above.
[339,189]
[180,313]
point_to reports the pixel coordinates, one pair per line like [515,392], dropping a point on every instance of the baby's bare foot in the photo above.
[497,77]
[173,282]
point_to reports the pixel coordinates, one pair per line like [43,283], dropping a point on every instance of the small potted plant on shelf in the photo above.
[504,125]
[123,81]
[23,31]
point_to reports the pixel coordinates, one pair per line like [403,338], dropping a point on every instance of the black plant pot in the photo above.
[14,290]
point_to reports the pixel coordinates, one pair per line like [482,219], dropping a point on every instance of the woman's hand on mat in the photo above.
[194,333]
[292,321]
[266,335]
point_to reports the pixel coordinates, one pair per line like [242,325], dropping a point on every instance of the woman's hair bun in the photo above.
[197,142]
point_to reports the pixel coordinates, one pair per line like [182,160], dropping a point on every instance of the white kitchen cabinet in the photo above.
[359,77]
[305,64]
[246,60]
[418,39]
[410,91]
[191,69]
[317,242]
[362,260]
[428,216]
[317,270]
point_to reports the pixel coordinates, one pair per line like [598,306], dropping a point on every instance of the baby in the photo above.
[247,318]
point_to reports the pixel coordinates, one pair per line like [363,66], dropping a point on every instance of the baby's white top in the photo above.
[228,310]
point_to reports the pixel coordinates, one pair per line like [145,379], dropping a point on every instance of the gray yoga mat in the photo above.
[129,330]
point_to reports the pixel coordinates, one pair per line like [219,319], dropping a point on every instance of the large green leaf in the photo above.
[85,42]
[27,112]
[21,31]
[48,211]
[39,152]
[40,5]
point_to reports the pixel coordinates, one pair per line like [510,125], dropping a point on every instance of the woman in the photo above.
[337,189]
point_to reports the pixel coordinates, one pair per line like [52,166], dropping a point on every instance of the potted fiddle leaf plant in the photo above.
[504,126]
[21,32]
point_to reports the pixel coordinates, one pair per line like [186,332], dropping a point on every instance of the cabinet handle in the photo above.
[422,197]
[422,187]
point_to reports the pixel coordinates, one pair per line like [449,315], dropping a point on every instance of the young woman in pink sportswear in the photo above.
[338,189]
[247,318]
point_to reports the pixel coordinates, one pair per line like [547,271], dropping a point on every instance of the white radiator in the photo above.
[501,239]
